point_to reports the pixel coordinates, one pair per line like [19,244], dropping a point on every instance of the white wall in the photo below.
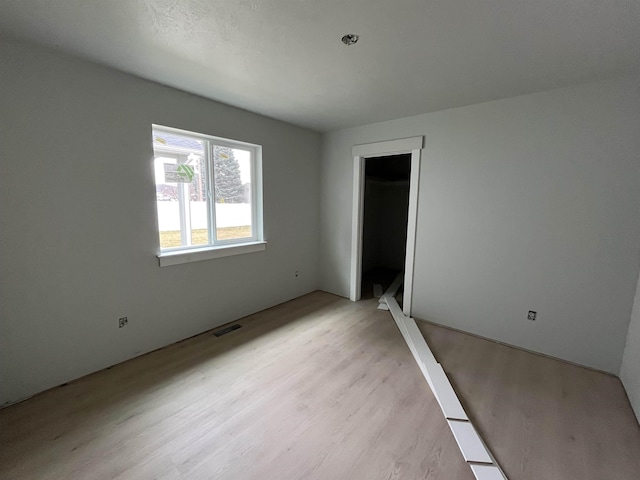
[528,203]
[630,371]
[78,229]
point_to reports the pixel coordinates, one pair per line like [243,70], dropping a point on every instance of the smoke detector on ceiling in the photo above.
[350,39]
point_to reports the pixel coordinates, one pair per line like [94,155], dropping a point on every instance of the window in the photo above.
[208,195]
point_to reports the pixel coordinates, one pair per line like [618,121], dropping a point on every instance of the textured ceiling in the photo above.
[284,58]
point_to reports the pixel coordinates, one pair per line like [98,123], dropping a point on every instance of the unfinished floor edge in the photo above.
[518,347]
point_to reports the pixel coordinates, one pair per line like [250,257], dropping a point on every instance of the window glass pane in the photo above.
[167,198]
[181,190]
[204,189]
[232,173]
[198,200]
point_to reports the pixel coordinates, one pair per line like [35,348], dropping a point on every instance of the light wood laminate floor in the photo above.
[321,388]
[542,418]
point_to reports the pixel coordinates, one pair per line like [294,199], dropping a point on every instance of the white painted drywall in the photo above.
[630,371]
[527,203]
[78,230]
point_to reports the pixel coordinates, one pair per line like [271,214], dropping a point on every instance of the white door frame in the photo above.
[360,153]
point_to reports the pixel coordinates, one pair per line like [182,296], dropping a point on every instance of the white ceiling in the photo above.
[284,58]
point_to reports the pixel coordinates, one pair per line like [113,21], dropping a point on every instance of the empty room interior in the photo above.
[320,240]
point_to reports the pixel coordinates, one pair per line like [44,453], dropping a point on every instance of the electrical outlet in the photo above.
[297,273]
[532,315]
[122,322]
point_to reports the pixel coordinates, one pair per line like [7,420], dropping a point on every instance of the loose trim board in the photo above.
[469,442]
[393,288]
[446,396]
[487,472]
[475,452]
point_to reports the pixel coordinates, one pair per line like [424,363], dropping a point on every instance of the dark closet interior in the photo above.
[384,234]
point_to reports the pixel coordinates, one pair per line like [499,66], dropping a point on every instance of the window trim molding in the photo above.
[177,257]
[227,247]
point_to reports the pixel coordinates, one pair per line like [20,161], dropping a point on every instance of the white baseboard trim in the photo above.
[475,452]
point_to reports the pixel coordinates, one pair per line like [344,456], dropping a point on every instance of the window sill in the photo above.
[195,255]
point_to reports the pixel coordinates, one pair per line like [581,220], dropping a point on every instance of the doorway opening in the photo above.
[386,214]
[388,163]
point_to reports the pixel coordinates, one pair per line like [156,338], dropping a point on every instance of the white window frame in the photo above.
[215,248]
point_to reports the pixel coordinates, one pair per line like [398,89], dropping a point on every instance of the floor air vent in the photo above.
[226,330]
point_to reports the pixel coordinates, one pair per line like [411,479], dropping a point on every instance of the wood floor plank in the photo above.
[320,388]
[314,388]
[542,418]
